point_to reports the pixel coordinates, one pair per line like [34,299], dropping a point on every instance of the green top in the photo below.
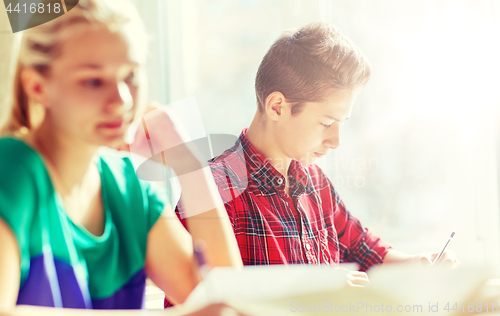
[64,255]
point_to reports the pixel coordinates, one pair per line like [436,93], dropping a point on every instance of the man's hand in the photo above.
[357,279]
[448,259]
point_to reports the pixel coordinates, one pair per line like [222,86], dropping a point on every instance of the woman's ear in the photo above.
[35,86]
[275,105]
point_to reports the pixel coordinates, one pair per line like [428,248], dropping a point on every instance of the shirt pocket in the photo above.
[328,246]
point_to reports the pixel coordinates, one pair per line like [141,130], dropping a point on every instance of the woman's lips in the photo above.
[319,155]
[112,125]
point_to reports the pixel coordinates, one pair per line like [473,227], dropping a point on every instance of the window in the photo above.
[419,155]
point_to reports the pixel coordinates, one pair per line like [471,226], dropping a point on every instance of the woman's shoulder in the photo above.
[117,169]
[117,162]
[11,145]
[24,179]
[17,154]
[125,189]
[128,165]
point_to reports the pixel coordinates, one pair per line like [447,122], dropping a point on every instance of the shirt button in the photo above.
[280,181]
[308,247]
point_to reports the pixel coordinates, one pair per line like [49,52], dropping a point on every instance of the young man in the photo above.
[282,206]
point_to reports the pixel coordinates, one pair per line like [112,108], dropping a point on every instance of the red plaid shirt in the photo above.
[311,225]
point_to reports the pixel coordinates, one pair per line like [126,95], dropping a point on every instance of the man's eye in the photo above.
[93,83]
[326,125]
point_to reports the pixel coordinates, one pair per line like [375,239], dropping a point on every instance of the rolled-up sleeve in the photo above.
[356,243]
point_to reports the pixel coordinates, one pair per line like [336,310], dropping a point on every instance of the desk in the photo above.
[154,296]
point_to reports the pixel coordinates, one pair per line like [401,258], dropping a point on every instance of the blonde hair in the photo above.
[41,45]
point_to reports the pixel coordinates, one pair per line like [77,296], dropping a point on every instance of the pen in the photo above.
[199,248]
[436,260]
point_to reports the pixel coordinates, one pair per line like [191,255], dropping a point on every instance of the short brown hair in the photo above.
[307,64]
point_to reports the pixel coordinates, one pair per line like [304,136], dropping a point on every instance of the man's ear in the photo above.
[35,86]
[275,105]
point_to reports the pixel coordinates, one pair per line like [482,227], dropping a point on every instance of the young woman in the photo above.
[78,229]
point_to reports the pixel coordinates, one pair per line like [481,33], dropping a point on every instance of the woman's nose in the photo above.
[121,98]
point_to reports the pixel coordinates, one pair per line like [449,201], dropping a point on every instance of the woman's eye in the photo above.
[131,78]
[326,125]
[93,83]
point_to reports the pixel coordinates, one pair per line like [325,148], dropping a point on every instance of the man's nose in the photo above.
[333,139]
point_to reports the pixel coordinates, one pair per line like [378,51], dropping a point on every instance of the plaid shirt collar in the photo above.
[266,177]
